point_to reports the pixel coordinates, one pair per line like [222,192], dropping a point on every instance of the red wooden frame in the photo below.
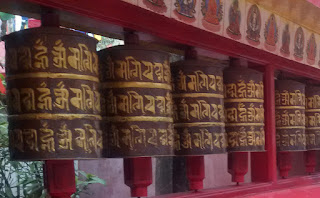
[122,14]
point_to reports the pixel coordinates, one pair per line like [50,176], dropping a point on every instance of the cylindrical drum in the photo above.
[290,115]
[136,89]
[244,109]
[312,117]
[53,95]
[198,108]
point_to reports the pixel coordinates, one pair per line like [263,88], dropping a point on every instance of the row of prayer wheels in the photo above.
[65,101]
[297,116]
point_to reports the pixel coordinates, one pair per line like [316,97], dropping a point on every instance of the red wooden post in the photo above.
[285,163]
[310,161]
[138,175]
[267,161]
[59,178]
[238,165]
[195,172]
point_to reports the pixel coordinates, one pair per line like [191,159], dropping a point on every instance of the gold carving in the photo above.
[62,96]
[24,58]
[59,55]
[65,137]
[252,137]
[286,98]
[57,116]
[244,90]
[252,113]
[27,99]
[44,100]
[138,119]
[52,76]
[46,138]
[195,95]
[41,58]
[292,138]
[150,85]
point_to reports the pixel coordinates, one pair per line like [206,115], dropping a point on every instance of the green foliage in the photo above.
[83,181]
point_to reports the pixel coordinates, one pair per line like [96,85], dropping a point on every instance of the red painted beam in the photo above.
[245,189]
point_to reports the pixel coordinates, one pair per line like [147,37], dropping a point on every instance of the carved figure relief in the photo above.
[311,49]
[298,44]
[253,25]
[158,6]
[271,33]
[185,10]
[212,11]
[284,50]
[233,30]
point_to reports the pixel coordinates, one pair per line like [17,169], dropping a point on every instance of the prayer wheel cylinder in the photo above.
[244,109]
[198,108]
[53,95]
[290,115]
[312,117]
[136,89]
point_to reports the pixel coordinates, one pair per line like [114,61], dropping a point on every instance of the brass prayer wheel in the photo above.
[53,95]
[312,117]
[198,108]
[244,109]
[290,115]
[136,89]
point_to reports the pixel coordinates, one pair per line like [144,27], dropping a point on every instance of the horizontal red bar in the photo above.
[245,189]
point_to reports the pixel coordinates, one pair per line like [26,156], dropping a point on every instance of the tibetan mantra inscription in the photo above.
[53,96]
[313,117]
[290,115]
[198,108]
[244,109]
[137,101]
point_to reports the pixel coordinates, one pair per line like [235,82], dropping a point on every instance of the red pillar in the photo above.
[267,161]
[285,163]
[195,172]
[138,175]
[238,165]
[59,178]
[310,161]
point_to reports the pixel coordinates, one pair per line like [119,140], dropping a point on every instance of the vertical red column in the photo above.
[310,161]
[264,164]
[138,175]
[59,178]
[195,172]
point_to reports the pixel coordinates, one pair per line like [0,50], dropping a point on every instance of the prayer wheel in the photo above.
[244,109]
[136,89]
[53,95]
[290,115]
[198,108]
[312,117]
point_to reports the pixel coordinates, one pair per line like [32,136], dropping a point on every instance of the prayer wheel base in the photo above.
[138,175]
[59,178]
[310,161]
[195,172]
[238,165]
[285,164]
